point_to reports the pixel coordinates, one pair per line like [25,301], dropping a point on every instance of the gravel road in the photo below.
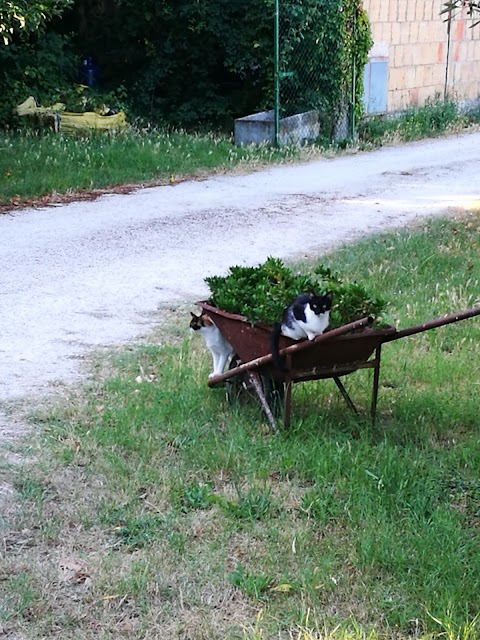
[79,276]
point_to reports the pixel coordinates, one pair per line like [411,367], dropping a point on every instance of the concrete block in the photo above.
[259,128]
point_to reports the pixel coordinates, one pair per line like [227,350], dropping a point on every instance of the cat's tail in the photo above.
[274,346]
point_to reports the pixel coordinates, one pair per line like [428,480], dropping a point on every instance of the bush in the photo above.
[44,68]
[412,124]
[204,63]
[261,293]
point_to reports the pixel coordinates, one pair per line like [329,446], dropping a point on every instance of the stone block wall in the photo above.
[428,55]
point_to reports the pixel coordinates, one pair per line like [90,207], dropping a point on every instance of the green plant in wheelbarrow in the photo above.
[262,293]
[259,296]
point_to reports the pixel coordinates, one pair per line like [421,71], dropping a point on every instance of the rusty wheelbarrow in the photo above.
[335,353]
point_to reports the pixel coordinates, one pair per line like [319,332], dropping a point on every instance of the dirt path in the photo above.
[87,274]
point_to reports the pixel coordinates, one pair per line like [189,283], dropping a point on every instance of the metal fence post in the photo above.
[449,30]
[354,74]
[277,71]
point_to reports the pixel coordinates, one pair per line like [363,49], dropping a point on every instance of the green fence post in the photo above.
[354,72]
[277,71]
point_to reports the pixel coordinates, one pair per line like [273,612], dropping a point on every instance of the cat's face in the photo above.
[196,322]
[321,304]
[200,322]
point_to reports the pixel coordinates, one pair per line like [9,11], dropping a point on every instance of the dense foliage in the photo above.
[43,67]
[323,49]
[434,118]
[261,293]
[24,16]
[195,63]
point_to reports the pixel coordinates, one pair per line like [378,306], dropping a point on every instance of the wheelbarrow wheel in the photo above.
[239,389]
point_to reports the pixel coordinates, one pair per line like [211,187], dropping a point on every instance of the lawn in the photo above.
[41,167]
[36,165]
[149,507]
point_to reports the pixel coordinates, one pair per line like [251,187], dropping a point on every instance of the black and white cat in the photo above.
[307,316]
[220,348]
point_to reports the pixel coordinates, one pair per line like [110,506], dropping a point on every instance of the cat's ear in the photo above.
[329,295]
[194,316]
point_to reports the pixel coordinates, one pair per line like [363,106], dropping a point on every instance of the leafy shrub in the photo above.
[433,118]
[20,18]
[261,293]
[45,69]
[322,42]
[258,293]
[202,63]
[472,114]
[413,123]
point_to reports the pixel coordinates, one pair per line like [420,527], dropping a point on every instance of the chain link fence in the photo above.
[320,49]
[315,77]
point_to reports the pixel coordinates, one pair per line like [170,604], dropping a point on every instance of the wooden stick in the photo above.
[433,324]
[257,385]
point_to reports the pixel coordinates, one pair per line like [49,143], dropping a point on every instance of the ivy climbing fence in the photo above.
[321,48]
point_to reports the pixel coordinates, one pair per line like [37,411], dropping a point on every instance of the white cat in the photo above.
[220,348]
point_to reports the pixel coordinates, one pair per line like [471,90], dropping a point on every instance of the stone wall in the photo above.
[427,55]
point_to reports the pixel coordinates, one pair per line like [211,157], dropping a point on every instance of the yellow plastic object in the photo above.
[68,121]
[30,108]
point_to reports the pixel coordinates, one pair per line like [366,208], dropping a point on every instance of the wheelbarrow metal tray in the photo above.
[343,354]
[347,349]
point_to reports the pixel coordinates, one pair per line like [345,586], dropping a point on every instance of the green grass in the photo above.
[41,166]
[33,165]
[190,520]
[435,118]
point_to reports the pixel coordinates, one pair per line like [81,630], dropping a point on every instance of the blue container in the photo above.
[89,71]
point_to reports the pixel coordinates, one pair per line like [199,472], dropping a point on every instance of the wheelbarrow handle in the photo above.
[433,324]
[298,346]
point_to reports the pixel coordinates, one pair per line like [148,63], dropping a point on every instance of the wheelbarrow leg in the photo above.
[288,394]
[345,395]
[376,380]
[257,385]
[288,403]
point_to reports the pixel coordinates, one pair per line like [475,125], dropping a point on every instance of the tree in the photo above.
[473,7]
[25,16]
